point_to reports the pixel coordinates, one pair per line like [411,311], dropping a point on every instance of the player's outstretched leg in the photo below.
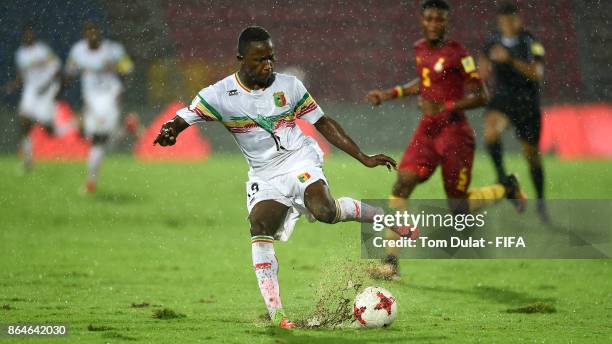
[398,201]
[25,146]
[265,218]
[495,124]
[94,162]
[534,159]
[325,208]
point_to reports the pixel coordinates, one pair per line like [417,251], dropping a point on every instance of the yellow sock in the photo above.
[398,203]
[479,198]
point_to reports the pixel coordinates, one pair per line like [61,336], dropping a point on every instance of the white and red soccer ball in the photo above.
[375,307]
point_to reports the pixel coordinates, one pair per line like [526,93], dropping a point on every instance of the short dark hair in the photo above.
[251,34]
[29,26]
[507,9]
[89,25]
[438,4]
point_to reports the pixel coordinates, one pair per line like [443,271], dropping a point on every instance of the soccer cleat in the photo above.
[89,187]
[387,270]
[280,319]
[514,193]
[286,324]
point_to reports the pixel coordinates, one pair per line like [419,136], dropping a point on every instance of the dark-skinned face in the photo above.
[434,22]
[509,25]
[258,63]
[92,35]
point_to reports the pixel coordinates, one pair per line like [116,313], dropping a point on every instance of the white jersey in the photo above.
[261,121]
[37,65]
[98,67]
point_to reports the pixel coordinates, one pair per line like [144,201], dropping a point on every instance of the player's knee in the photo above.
[490,135]
[532,154]
[324,213]
[261,227]
[405,184]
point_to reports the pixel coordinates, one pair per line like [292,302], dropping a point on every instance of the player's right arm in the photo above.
[170,130]
[532,68]
[12,85]
[202,109]
[376,97]
[485,67]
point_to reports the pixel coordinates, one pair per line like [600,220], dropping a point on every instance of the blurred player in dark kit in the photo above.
[514,60]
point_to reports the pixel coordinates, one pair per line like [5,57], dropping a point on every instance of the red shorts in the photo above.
[450,144]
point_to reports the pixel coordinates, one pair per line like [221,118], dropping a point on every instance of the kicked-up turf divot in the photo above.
[167,314]
[335,295]
[140,305]
[98,328]
[537,307]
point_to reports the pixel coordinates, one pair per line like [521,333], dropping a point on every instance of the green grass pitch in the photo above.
[175,236]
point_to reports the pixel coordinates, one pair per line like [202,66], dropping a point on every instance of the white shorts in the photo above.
[39,107]
[101,115]
[288,188]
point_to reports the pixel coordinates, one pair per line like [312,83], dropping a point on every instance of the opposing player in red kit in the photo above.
[448,84]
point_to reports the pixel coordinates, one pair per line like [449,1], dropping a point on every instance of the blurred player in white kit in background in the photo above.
[100,62]
[38,74]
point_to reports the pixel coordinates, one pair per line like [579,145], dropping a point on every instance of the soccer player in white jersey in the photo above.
[100,63]
[38,74]
[259,107]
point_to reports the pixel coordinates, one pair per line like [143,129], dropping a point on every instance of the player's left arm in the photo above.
[306,108]
[335,134]
[476,95]
[123,64]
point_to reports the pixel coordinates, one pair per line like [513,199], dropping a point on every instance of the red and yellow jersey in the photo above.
[444,70]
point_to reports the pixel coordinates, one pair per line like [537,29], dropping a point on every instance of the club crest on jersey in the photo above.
[439,65]
[279,99]
[303,178]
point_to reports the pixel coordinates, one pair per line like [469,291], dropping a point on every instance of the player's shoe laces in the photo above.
[387,270]
[514,193]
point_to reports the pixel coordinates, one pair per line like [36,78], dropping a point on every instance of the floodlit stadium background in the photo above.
[342,49]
